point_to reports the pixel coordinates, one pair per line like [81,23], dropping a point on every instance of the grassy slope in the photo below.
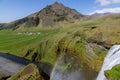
[72,38]
[114,73]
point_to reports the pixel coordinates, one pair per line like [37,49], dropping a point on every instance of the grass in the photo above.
[113,74]
[29,72]
[46,44]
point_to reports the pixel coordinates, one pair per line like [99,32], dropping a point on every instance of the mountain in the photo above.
[1,24]
[100,14]
[83,43]
[50,16]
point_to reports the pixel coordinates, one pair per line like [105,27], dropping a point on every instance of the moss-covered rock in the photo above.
[30,72]
[114,73]
[1,77]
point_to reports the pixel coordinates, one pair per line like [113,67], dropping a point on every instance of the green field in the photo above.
[47,45]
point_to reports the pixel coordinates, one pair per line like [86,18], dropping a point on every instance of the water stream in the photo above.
[69,68]
[112,59]
[11,64]
[66,68]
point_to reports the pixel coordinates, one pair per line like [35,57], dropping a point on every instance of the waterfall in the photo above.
[70,68]
[112,59]
[64,70]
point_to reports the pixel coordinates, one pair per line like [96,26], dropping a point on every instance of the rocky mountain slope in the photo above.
[51,15]
[86,41]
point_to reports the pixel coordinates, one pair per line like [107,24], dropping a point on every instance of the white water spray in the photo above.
[69,68]
[64,71]
[112,59]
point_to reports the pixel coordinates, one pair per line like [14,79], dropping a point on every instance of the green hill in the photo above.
[113,74]
[51,16]
[87,39]
[81,38]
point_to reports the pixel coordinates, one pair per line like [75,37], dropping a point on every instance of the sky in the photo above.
[11,10]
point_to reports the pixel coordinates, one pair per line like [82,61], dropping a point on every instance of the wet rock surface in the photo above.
[9,67]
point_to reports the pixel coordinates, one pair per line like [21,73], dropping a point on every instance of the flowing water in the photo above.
[112,59]
[11,64]
[69,68]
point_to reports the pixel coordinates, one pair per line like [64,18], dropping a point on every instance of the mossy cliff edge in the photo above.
[114,73]
[30,72]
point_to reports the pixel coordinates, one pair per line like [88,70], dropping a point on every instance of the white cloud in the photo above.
[107,2]
[107,10]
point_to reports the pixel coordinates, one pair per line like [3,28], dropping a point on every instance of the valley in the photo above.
[60,38]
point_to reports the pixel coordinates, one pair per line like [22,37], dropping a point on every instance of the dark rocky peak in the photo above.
[0,24]
[55,7]
[49,16]
[59,9]
[57,4]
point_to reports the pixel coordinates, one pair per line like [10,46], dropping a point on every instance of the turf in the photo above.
[47,42]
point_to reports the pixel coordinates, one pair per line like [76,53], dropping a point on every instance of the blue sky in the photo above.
[15,9]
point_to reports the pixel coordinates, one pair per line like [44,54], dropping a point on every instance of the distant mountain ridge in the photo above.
[100,14]
[47,17]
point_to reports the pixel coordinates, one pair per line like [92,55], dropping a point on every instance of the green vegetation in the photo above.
[56,31]
[30,72]
[1,77]
[51,42]
[114,73]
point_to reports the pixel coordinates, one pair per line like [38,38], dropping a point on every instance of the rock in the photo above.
[2,77]
[50,16]
[30,72]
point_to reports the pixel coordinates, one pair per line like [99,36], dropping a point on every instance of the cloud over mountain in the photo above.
[107,10]
[107,2]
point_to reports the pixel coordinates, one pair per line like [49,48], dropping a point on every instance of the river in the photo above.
[11,64]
